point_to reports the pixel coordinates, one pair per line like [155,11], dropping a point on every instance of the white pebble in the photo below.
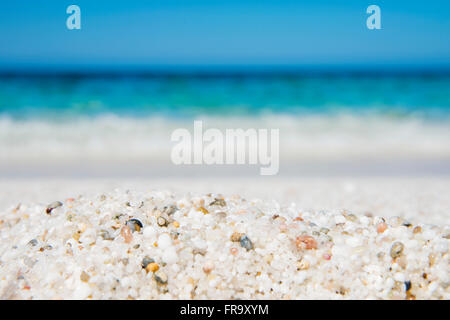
[164,241]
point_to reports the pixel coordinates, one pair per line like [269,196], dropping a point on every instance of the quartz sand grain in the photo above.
[115,245]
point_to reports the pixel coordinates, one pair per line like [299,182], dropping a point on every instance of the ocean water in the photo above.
[335,117]
[54,97]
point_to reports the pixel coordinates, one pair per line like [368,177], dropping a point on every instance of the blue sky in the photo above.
[173,32]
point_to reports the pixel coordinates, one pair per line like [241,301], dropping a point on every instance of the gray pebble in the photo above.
[53,205]
[146,261]
[33,242]
[171,209]
[218,202]
[134,225]
[160,277]
[397,249]
[246,242]
[105,235]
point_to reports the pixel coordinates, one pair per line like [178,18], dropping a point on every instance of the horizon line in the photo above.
[224,70]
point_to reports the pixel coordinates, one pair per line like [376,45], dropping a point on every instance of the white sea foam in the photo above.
[109,138]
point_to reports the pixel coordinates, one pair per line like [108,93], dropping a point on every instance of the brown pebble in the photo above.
[126,234]
[208,267]
[236,236]
[199,251]
[76,236]
[417,229]
[203,210]
[410,296]
[162,222]
[305,242]
[84,277]
[302,265]
[431,259]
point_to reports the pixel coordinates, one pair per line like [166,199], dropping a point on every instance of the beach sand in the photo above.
[225,238]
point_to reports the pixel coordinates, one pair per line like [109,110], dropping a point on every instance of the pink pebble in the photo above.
[327,256]
[381,227]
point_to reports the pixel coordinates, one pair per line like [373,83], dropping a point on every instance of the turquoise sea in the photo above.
[123,117]
[183,96]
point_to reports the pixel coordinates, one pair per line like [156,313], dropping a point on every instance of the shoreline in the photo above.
[162,168]
[422,199]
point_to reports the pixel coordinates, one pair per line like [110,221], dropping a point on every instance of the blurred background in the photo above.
[102,101]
